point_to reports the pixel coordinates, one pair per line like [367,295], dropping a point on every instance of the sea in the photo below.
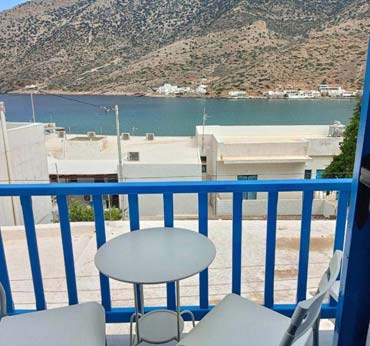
[170,116]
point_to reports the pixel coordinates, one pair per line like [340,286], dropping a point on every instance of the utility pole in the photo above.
[120,168]
[33,109]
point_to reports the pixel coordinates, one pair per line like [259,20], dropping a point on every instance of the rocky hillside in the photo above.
[131,45]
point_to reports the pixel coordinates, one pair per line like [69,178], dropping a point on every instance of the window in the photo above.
[319,173]
[203,159]
[308,174]
[249,195]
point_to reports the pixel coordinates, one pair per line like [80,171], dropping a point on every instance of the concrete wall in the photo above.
[27,160]
[286,207]
[74,147]
[152,205]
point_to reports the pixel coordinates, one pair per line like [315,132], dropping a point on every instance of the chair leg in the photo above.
[315,329]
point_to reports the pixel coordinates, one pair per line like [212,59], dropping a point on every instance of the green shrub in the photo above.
[81,212]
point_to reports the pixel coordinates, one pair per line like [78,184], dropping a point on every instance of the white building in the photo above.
[23,159]
[237,93]
[268,152]
[327,90]
[201,89]
[145,158]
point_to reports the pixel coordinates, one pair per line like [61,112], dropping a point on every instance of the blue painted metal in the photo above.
[100,240]
[270,249]
[203,229]
[168,222]
[304,248]
[134,216]
[133,207]
[168,189]
[175,187]
[237,242]
[341,220]
[4,277]
[354,298]
[33,252]
[65,229]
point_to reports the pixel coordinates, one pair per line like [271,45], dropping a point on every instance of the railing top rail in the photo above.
[175,187]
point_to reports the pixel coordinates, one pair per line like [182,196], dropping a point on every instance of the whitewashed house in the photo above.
[23,160]
[268,152]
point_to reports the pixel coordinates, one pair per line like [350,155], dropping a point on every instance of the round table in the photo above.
[155,256]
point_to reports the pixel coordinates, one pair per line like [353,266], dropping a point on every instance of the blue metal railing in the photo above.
[168,189]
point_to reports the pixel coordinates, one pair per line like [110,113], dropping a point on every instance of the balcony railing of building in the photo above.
[168,189]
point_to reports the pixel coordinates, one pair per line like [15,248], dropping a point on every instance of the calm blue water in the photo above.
[172,116]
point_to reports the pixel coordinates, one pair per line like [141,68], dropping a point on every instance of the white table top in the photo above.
[155,255]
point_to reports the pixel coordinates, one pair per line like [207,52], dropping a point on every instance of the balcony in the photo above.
[238,265]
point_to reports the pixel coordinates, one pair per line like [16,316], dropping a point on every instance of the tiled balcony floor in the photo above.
[123,340]
[118,334]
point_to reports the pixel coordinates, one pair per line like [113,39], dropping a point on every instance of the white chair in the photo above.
[334,290]
[75,325]
[237,321]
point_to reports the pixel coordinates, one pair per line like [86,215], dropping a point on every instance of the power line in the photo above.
[106,109]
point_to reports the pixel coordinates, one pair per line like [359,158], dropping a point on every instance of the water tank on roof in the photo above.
[125,136]
[337,129]
[150,136]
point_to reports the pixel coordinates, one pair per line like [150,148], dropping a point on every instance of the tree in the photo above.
[342,164]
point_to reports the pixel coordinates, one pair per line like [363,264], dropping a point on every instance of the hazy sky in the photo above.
[5,4]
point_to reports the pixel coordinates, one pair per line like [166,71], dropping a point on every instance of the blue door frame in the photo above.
[354,302]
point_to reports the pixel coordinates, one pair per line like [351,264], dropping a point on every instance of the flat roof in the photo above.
[161,150]
[235,133]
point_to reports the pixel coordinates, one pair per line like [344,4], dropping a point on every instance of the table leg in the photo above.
[178,309]
[136,288]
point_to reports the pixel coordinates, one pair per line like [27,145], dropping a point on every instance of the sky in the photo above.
[5,4]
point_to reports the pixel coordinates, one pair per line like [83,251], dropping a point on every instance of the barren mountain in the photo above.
[132,45]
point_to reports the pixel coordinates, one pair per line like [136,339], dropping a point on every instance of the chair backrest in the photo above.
[307,311]
[2,302]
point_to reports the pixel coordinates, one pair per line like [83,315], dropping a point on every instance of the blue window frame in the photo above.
[248,195]
[308,174]
[319,173]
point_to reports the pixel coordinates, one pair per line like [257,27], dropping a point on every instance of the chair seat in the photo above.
[76,325]
[237,321]
[334,290]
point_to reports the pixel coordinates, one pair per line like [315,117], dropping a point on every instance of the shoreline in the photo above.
[154,95]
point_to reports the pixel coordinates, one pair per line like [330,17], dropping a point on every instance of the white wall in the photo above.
[286,207]
[28,164]
[152,205]
[312,142]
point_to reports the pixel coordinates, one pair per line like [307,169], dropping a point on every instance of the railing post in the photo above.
[237,242]
[33,252]
[203,229]
[270,249]
[100,240]
[134,216]
[69,265]
[304,247]
[168,222]
[341,220]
